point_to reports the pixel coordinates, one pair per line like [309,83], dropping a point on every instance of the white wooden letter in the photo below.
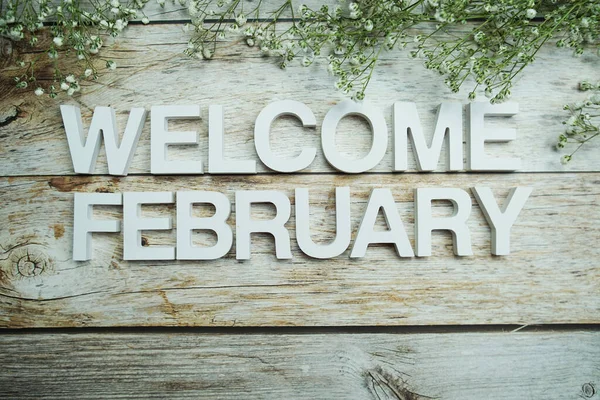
[84,224]
[262,128]
[186,223]
[216,144]
[502,219]
[104,120]
[342,225]
[134,224]
[161,138]
[448,123]
[457,223]
[244,225]
[478,135]
[396,234]
[380,136]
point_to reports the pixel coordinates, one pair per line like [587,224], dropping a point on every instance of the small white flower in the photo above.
[58,41]
[161,2]
[368,25]
[115,3]
[530,13]
[114,10]
[145,21]
[70,78]
[71,91]
[64,86]
[584,22]
[119,25]
[88,72]
[111,65]
[241,20]
[207,53]
[250,42]
[193,9]
[39,91]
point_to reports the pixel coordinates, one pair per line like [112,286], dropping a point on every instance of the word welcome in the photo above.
[406,124]
[500,220]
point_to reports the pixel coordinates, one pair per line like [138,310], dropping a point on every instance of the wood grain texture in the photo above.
[547,365]
[551,276]
[153,70]
[173,11]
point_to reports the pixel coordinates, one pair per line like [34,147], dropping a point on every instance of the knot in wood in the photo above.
[588,390]
[28,261]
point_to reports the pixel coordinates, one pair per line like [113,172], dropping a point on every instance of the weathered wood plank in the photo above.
[547,365]
[152,70]
[551,276]
[174,11]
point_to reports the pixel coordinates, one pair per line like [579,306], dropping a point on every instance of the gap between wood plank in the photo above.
[307,330]
[284,175]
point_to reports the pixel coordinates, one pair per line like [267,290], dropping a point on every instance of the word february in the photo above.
[500,220]
[406,125]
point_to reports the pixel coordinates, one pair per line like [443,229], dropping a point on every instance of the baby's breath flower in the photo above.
[583,123]
[58,41]
[111,65]
[39,91]
[207,53]
[241,20]
[531,13]
[565,159]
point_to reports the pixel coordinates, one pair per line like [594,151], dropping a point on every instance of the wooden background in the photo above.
[520,326]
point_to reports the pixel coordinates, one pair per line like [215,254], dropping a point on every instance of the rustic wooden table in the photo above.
[378,327]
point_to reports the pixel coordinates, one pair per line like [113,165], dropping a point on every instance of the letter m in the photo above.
[448,123]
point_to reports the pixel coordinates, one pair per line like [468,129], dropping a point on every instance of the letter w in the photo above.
[85,152]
